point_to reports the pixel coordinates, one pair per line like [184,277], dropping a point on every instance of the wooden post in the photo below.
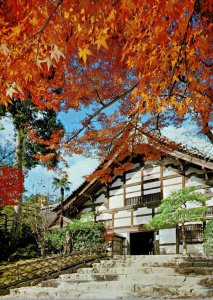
[184,239]
[17,272]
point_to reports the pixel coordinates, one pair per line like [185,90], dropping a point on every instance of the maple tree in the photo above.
[11,185]
[136,63]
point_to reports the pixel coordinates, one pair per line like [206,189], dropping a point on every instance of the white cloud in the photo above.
[80,166]
[7,132]
[39,179]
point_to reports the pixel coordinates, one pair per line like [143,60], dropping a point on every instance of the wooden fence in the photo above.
[42,268]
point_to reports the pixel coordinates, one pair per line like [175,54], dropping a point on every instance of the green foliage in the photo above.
[174,209]
[208,236]
[25,114]
[54,240]
[61,183]
[86,235]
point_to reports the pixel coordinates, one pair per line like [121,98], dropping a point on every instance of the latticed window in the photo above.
[150,198]
[210,211]
[146,199]
[134,200]
[194,233]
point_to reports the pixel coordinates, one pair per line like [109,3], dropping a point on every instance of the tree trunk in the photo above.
[17,220]
[62,207]
[41,243]
[68,243]
[184,239]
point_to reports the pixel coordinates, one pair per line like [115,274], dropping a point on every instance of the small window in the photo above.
[194,233]
[134,200]
[210,211]
[152,198]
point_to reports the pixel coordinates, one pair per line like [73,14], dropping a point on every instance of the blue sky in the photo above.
[39,180]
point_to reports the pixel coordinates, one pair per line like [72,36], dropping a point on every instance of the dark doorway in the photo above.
[140,243]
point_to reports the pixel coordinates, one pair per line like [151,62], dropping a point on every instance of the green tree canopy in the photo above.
[208,234]
[185,205]
[27,118]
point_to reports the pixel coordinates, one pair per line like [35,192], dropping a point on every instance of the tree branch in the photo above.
[91,117]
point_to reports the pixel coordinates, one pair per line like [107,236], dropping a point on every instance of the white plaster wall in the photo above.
[86,210]
[133,188]
[151,176]
[152,170]
[104,216]
[122,222]
[122,213]
[168,249]
[100,199]
[152,191]
[194,181]
[118,182]
[169,171]
[192,204]
[209,202]
[101,208]
[116,192]
[202,190]
[141,220]
[142,211]
[167,190]
[192,248]
[176,180]
[167,235]
[134,194]
[116,202]
[151,185]
[131,175]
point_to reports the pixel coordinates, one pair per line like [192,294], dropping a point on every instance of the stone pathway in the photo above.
[130,277]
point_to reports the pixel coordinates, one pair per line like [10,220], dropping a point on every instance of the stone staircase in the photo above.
[152,276]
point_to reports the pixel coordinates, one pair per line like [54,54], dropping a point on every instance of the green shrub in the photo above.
[86,234]
[208,236]
[54,240]
[30,251]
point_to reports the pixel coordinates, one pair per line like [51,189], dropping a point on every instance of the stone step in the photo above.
[195,270]
[136,258]
[146,280]
[123,271]
[196,264]
[50,283]
[152,276]
[52,293]
[127,270]
[195,291]
[113,292]
[134,264]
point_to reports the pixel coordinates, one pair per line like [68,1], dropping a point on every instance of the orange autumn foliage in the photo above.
[150,61]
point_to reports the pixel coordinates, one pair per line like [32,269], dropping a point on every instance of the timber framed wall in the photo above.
[132,198]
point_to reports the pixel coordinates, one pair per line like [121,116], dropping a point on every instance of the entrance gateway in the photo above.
[142,243]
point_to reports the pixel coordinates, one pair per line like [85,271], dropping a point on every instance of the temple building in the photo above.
[131,200]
